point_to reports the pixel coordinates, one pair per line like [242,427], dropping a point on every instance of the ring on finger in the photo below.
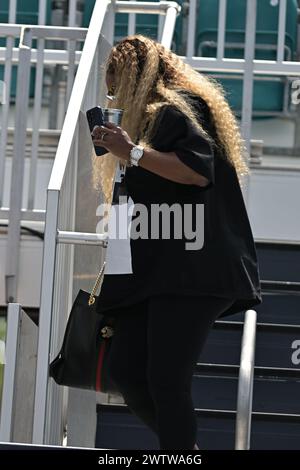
[103,135]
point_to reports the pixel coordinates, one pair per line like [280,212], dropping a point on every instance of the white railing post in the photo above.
[221,29]
[108,29]
[47,428]
[48,273]
[38,91]
[192,19]
[131,22]
[245,384]
[19,375]
[169,26]
[8,392]
[281,31]
[48,400]
[42,12]
[5,107]
[17,179]
[248,84]
[248,71]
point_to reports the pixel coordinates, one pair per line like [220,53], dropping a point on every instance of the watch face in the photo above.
[137,152]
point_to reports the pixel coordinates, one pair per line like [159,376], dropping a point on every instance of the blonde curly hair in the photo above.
[148,76]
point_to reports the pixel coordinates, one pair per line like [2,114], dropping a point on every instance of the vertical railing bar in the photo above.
[72,206]
[46,305]
[72,224]
[161,20]
[12,12]
[108,27]
[43,426]
[71,44]
[5,106]
[54,424]
[16,188]
[246,122]
[95,74]
[12,16]
[72,13]
[131,22]
[37,106]
[36,122]
[221,29]
[245,383]
[61,302]
[42,12]
[169,26]
[59,277]
[281,30]
[8,392]
[71,70]
[100,88]
[248,70]
[286,95]
[52,433]
[192,27]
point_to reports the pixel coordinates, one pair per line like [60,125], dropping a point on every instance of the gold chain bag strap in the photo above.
[98,283]
[107,331]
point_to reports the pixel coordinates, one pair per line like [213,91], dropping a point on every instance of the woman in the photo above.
[190,154]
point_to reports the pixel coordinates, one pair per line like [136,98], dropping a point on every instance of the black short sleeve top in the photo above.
[226,264]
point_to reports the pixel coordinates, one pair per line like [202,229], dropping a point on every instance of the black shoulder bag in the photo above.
[83,359]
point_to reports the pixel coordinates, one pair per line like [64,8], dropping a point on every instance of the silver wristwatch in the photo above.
[136,154]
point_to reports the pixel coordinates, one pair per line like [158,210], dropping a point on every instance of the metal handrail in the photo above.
[280,287]
[245,383]
[46,427]
[63,151]
[63,155]
[18,143]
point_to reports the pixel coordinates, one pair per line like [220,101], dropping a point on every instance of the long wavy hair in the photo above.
[148,76]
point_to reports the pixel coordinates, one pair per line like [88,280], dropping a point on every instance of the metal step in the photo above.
[118,428]
[279,308]
[279,261]
[32,312]
[277,394]
[275,308]
[273,345]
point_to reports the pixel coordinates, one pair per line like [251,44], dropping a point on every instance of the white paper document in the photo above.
[118,252]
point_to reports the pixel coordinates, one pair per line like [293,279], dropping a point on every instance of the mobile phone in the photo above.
[95,118]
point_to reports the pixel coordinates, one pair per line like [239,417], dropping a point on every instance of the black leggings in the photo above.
[155,348]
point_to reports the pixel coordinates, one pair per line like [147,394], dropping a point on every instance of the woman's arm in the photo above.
[165,164]
[168,165]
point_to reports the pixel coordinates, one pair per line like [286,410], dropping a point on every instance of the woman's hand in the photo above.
[165,164]
[114,139]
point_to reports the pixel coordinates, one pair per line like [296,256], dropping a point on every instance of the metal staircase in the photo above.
[225,376]
[275,422]
[222,396]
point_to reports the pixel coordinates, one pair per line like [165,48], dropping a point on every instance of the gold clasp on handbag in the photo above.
[107,331]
